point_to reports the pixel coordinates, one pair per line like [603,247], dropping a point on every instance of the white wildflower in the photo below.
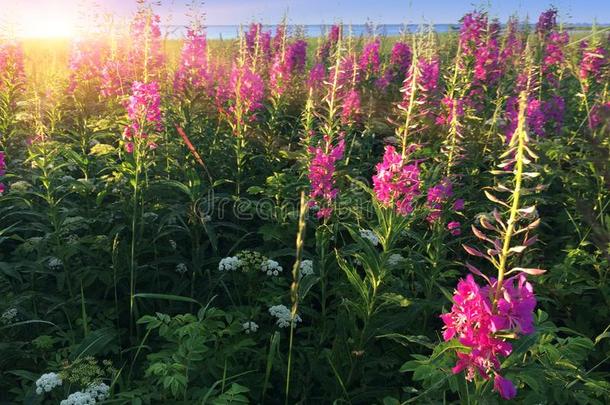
[306,268]
[8,316]
[47,382]
[79,398]
[20,186]
[283,315]
[395,259]
[173,244]
[181,268]
[250,327]
[370,235]
[98,392]
[271,267]
[54,263]
[230,263]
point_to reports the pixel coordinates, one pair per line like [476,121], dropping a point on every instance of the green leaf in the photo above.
[169,297]
[94,343]
[12,325]
[406,339]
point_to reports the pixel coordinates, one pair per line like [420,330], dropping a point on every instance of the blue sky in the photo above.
[384,11]
[58,17]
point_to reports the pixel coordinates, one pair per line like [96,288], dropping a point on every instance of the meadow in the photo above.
[279,219]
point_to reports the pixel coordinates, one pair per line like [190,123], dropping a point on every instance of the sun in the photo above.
[45,19]
[54,27]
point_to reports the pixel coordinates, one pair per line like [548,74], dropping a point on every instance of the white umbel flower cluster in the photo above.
[283,315]
[395,259]
[306,268]
[370,235]
[181,268]
[250,327]
[78,398]
[8,316]
[92,395]
[230,263]
[47,382]
[54,263]
[271,267]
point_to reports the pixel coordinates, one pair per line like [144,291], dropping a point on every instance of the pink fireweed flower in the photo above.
[113,73]
[504,387]
[487,67]
[458,205]
[218,77]
[592,63]
[474,321]
[369,61]
[146,57]
[513,44]
[600,114]
[453,108]
[535,117]
[334,34]
[286,65]
[384,80]
[396,182]
[350,108]
[279,76]
[145,105]
[470,313]
[511,116]
[400,62]
[322,175]
[538,115]
[515,308]
[317,75]
[279,38]
[454,228]
[296,56]
[2,171]
[429,70]
[2,164]
[247,89]
[473,31]
[553,111]
[258,42]
[553,56]
[400,59]
[11,63]
[547,21]
[426,86]
[144,113]
[437,196]
[87,60]
[193,68]
[553,53]
[348,73]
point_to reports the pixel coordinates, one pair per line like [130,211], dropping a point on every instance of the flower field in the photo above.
[282,219]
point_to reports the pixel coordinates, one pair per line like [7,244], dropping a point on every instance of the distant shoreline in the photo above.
[317,30]
[312,31]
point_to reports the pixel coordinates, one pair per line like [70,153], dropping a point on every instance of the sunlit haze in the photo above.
[43,19]
[65,18]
